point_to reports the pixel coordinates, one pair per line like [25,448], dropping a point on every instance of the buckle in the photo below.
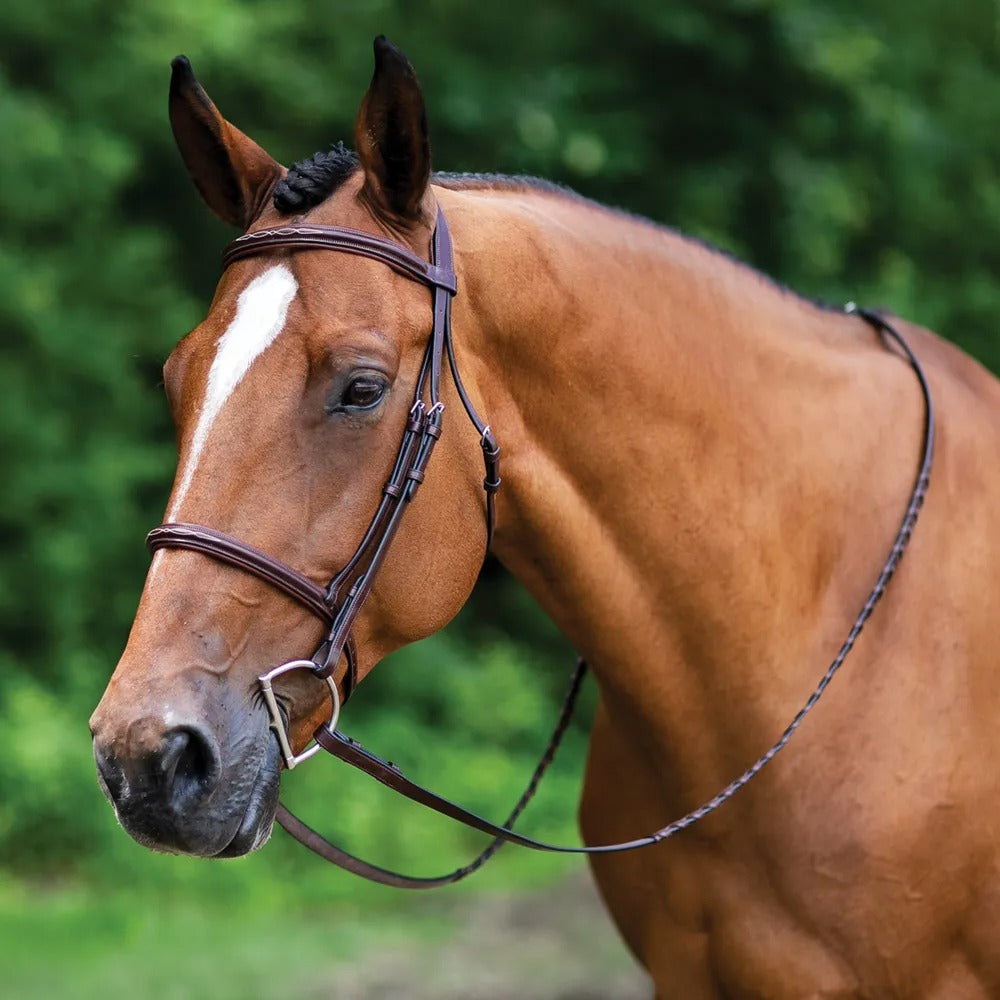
[278,723]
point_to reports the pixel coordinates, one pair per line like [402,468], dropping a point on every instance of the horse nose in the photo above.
[174,772]
[189,763]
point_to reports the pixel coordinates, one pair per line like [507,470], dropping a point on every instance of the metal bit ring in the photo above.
[278,723]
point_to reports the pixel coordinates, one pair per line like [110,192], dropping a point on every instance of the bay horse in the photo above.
[702,473]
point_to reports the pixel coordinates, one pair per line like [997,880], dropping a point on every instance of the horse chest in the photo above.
[802,907]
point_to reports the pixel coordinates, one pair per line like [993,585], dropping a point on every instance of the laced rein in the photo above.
[388,774]
[340,602]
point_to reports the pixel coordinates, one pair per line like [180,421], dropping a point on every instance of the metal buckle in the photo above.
[278,724]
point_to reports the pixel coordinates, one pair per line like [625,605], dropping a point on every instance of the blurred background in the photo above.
[851,153]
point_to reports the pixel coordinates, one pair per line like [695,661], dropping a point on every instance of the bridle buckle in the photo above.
[277,720]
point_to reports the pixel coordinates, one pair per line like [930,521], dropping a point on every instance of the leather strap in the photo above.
[225,548]
[218,545]
[396,256]
[487,441]
[337,856]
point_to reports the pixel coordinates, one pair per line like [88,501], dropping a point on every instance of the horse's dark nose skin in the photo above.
[162,783]
[111,776]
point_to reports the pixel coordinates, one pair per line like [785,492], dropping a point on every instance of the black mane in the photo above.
[313,180]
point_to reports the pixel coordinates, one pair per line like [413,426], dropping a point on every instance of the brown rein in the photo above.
[340,602]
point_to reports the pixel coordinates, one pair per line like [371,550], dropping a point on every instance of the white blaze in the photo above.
[260,316]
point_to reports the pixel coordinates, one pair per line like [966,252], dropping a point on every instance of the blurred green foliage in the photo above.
[851,153]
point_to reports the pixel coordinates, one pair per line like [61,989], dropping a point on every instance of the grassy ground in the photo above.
[551,944]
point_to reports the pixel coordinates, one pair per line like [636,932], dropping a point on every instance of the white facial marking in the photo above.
[154,566]
[260,316]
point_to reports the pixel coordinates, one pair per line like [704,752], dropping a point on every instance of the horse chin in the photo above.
[258,819]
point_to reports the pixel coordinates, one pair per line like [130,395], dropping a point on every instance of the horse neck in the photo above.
[671,470]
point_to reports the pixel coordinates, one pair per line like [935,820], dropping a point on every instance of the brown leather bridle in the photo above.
[340,602]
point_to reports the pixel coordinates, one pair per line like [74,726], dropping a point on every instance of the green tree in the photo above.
[851,154]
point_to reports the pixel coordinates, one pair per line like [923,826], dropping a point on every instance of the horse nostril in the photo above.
[110,775]
[189,762]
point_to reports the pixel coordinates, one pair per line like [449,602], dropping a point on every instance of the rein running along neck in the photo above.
[339,603]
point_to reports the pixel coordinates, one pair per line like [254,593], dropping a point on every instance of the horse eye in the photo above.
[362,393]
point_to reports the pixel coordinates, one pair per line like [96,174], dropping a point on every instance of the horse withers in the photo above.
[702,474]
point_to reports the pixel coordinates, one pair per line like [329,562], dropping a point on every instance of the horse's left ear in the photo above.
[232,173]
[391,136]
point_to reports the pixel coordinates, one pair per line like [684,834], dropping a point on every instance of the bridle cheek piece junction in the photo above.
[339,603]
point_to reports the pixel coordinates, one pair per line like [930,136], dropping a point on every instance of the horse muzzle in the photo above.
[175,788]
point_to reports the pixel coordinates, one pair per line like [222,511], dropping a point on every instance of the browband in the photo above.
[347,241]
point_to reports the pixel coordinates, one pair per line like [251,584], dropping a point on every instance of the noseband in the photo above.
[339,603]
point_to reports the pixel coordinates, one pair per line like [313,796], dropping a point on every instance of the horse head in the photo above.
[290,401]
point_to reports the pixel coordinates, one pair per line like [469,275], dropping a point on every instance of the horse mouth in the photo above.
[257,822]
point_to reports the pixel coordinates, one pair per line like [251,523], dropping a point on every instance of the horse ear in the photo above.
[391,135]
[232,173]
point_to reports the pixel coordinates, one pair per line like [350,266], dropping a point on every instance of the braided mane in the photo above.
[311,181]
